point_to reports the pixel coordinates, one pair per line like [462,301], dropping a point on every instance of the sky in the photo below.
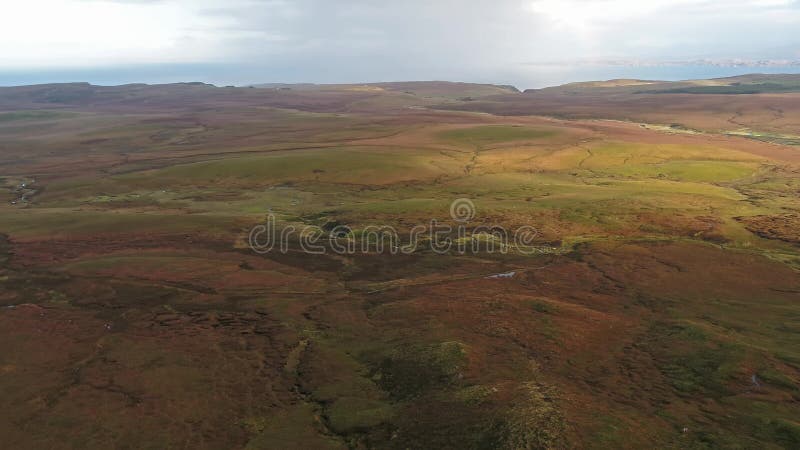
[527,43]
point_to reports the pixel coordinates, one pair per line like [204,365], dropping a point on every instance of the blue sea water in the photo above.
[523,77]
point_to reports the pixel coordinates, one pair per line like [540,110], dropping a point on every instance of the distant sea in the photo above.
[522,76]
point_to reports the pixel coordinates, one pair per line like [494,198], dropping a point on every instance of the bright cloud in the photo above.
[64,33]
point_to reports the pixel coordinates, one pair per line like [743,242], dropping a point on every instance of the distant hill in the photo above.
[743,84]
[445,89]
[735,104]
[626,99]
[193,95]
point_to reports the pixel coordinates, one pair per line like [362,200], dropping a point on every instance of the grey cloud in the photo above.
[474,40]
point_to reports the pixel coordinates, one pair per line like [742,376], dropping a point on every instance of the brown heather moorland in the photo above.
[660,310]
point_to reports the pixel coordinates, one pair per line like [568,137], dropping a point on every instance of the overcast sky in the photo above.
[524,42]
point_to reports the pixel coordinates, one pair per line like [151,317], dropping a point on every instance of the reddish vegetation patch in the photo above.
[784,227]
[168,373]
[703,227]
[45,251]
